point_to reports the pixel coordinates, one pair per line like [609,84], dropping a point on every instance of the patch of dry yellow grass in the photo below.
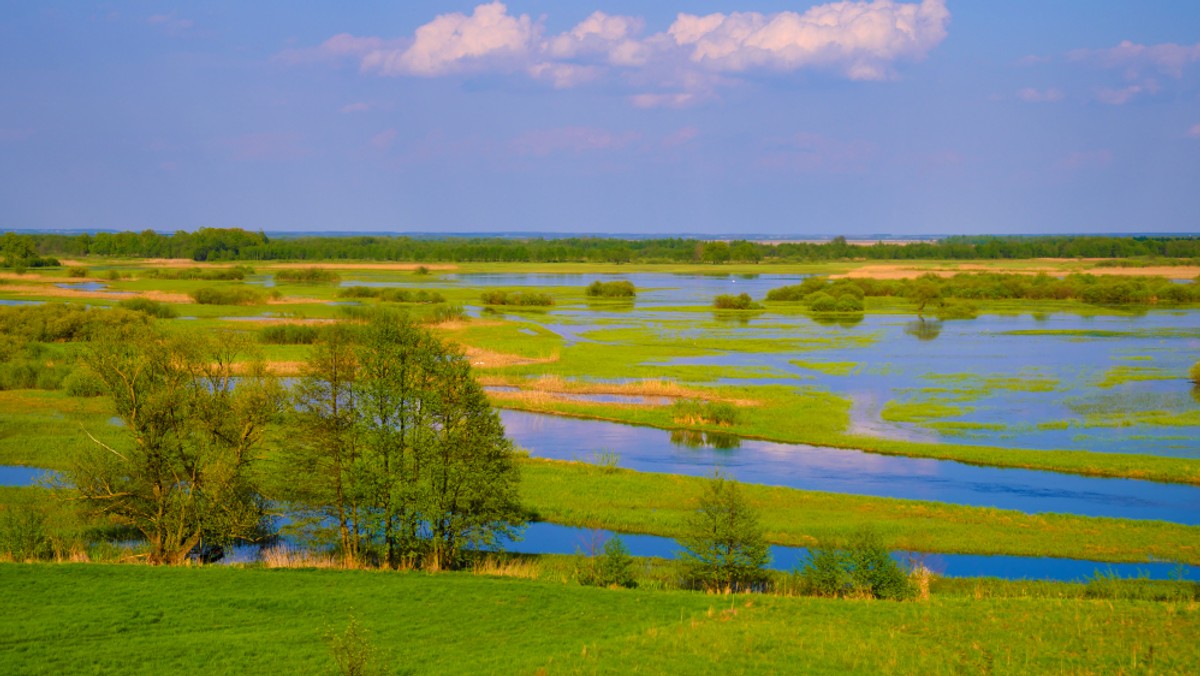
[481,358]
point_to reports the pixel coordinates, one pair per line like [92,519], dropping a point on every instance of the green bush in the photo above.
[697,412]
[821,302]
[446,313]
[235,273]
[231,295]
[864,568]
[742,301]
[617,289]
[77,271]
[613,567]
[289,334]
[82,382]
[152,308]
[724,548]
[313,275]
[849,303]
[518,299]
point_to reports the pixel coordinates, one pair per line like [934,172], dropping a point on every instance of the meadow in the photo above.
[892,380]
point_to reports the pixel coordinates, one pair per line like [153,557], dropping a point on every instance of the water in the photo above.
[16,475]
[855,472]
[83,286]
[549,538]
[13,302]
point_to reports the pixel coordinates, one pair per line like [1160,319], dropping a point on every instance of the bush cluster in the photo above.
[229,295]
[150,307]
[392,295]
[235,273]
[618,289]
[289,334]
[1094,289]
[313,275]
[514,298]
[742,301]
[863,569]
[697,412]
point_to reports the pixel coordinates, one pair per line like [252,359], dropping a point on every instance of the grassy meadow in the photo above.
[528,614]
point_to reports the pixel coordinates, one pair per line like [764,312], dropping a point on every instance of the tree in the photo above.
[322,468]
[184,478]
[406,453]
[724,547]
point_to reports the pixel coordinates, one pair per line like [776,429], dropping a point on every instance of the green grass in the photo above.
[578,494]
[134,619]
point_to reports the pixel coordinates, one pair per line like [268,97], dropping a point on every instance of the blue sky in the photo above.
[718,117]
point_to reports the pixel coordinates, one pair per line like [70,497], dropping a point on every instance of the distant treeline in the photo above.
[233,244]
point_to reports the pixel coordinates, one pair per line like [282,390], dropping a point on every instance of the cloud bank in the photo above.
[675,67]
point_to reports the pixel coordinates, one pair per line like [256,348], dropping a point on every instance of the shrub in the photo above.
[1194,373]
[617,289]
[313,275]
[446,313]
[235,273]
[82,382]
[77,271]
[821,302]
[519,299]
[357,292]
[289,334]
[863,569]
[697,412]
[742,301]
[613,567]
[849,303]
[233,295]
[152,308]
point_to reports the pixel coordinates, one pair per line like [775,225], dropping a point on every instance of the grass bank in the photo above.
[579,494]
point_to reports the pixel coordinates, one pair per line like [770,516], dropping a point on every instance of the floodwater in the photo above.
[549,538]
[834,470]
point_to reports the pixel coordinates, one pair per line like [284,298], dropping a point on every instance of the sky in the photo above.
[720,117]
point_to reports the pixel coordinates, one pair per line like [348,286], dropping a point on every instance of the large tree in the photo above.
[401,448]
[183,476]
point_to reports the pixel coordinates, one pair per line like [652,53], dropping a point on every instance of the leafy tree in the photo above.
[322,467]
[724,547]
[612,567]
[405,452]
[864,568]
[183,479]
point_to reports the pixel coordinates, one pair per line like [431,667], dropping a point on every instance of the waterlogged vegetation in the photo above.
[1056,367]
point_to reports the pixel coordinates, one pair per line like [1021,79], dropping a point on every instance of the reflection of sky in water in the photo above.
[893,368]
[847,471]
[15,475]
[549,538]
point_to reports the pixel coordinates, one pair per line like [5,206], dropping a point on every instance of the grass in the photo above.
[583,495]
[134,619]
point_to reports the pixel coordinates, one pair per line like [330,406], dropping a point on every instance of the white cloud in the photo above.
[860,39]
[171,24]
[1168,58]
[356,107]
[1119,97]
[681,65]
[680,137]
[1031,95]
[454,43]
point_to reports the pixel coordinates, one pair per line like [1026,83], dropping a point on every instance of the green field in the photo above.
[134,619]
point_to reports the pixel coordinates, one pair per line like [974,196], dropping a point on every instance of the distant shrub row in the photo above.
[313,275]
[619,289]
[58,322]
[289,334]
[235,273]
[521,299]
[392,295]
[229,295]
[1094,289]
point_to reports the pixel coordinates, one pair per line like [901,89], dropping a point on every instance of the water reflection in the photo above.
[924,329]
[698,439]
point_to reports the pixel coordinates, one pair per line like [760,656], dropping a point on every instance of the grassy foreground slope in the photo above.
[133,619]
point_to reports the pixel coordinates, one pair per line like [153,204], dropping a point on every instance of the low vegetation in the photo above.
[227,295]
[311,275]
[516,298]
[618,289]
[742,301]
